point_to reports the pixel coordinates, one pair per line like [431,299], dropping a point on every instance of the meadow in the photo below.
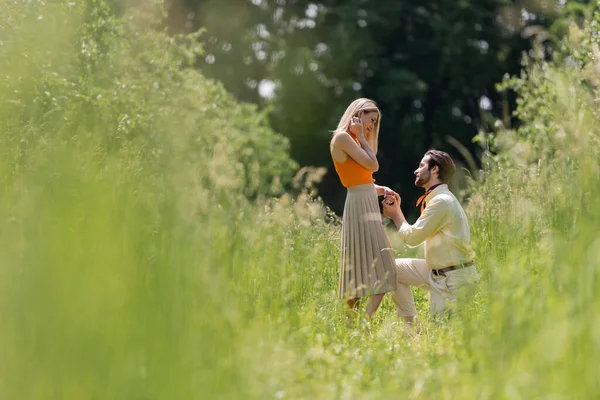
[150,249]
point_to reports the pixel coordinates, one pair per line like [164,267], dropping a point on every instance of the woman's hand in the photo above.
[358,129]
[383,190]
[387,192]
[391,198]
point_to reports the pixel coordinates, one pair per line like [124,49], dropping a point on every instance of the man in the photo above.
[443,227]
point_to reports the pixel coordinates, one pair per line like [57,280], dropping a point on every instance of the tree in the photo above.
[432,67]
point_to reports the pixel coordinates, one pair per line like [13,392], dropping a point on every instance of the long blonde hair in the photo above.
[357,105]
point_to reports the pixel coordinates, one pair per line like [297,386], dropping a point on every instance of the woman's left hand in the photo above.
[387,191]
[392,199]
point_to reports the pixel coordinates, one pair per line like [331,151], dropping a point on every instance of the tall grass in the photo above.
[134,265]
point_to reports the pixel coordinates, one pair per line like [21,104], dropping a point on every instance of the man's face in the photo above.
[423,174]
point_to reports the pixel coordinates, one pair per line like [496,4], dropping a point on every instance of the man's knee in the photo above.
[403,263]
[413,272]
[404,301]
[404,269]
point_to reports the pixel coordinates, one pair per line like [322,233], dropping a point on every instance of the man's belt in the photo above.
[444,271]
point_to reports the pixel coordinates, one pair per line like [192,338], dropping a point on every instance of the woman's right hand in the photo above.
[357,128]
[361,153]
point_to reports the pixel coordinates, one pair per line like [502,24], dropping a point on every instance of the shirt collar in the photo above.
[435,189]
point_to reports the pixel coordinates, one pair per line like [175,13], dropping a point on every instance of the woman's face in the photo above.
[369,118]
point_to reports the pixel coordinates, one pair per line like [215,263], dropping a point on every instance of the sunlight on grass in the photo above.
[144,256]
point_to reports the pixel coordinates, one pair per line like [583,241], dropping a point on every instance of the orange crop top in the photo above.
[352,173]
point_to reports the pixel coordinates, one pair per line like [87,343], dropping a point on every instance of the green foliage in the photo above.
[534,220]
[134,264]
[427,64]
[132,89]
[126,178]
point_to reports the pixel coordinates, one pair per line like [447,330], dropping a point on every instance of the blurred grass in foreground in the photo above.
[134,266]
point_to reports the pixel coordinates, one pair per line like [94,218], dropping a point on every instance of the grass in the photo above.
[128,276]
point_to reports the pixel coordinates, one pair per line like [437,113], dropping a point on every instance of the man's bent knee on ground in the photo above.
[443,290]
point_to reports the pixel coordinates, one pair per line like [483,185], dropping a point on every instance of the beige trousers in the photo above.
[442,289]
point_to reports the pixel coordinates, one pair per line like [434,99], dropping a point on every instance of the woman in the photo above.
[367,265]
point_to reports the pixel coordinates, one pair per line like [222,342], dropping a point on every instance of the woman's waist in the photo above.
[361,187]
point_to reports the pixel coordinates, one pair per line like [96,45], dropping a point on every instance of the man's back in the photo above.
[444,228]
[450,245]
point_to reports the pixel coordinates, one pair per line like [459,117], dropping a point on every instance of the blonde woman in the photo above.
[367,266]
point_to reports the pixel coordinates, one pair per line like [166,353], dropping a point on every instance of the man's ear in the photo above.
[436,170]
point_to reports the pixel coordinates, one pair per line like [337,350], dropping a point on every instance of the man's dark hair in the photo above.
[444,163]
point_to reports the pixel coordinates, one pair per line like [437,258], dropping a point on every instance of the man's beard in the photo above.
[422,180]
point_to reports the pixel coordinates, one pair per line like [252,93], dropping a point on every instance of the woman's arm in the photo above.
[383,190]
[365,157]
[362,154]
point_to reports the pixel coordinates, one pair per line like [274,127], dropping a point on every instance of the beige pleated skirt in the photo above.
[367,264]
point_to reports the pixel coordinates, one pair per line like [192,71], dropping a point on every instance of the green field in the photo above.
[148,250]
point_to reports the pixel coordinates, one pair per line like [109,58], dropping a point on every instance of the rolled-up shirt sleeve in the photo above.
[428,223]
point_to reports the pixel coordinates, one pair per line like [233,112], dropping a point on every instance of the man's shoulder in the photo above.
[444,197]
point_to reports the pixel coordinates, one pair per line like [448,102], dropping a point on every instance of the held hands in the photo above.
[390,197]
[391,203]
[387,192]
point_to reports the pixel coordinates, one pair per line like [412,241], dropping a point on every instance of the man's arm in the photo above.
[428,223]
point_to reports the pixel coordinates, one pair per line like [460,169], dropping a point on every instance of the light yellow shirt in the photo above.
[443,227]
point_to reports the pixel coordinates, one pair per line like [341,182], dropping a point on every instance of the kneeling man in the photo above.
[443,227]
